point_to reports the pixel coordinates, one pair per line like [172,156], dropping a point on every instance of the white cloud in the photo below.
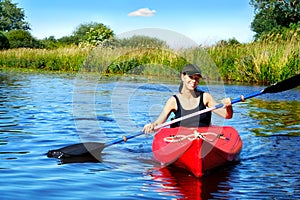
[142,12]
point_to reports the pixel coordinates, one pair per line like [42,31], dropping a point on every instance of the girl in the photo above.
[188,100]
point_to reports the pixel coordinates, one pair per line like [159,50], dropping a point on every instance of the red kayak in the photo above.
[198,150]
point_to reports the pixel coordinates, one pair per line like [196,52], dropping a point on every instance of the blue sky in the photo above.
[203,21]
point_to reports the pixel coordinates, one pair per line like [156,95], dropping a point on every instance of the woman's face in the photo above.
[191,82]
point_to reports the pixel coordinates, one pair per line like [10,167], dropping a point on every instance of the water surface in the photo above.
[40,112]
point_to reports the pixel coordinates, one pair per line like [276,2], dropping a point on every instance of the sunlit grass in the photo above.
[272,59]
[269,60]
[62,59]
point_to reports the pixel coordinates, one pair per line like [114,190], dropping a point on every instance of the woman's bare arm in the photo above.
[169,106]
[226,111]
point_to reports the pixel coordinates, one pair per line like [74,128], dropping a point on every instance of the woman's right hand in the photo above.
[148,128]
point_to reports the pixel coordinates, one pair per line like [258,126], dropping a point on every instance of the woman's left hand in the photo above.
[226,102]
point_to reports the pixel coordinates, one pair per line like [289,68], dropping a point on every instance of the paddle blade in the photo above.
[81,159]
[283,85]
[77,150]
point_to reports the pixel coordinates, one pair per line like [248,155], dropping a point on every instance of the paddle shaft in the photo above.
[124,139]
[81,149]
[242,98]
[278,87]
[284,85]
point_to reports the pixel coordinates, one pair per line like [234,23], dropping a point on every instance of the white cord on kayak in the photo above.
[195,135]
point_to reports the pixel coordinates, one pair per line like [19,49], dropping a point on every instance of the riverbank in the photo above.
[256,62]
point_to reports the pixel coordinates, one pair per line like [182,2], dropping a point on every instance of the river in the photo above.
[41,111]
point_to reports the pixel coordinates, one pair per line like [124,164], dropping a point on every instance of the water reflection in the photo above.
[275,117]
[36,115]
[81,159]
[178,182]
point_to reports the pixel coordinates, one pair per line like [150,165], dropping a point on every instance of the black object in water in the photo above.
[82,152]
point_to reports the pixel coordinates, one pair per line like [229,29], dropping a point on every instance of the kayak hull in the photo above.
[198,150]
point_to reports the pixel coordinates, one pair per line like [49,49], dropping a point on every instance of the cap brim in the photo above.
[194,74]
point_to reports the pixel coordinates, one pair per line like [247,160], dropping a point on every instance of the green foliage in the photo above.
[22,38]
[228,42]
[282,33]
[98,36]
[80,33]
[4,43]
[267,60]
[271,15]
[146,61]
[141,41]
[60,59]
[50,42]
[260,62]
[271,59]
[68,40]
[91,33]
[12,17]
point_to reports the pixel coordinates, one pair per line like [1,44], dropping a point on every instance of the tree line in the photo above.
[274,16]
[271,17]
[14,33]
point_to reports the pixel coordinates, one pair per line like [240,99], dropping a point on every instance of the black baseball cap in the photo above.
[191,70]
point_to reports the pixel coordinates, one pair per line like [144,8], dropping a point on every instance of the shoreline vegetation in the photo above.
[266,61]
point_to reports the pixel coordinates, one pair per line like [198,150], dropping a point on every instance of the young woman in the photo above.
[188,100]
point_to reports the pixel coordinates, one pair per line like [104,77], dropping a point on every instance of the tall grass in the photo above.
[272,59]
[149,61]
[146,61]
[62,59]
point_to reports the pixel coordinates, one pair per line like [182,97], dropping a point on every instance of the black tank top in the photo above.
[196,121]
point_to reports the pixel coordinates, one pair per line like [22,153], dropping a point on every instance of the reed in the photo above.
[140,61]
[62,59]
[271,59]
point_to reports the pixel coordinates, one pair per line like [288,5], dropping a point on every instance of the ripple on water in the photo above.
[37,114]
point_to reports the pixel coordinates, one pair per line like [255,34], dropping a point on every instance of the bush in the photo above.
[22,39]
[100,35]
[4,43]
[68,40]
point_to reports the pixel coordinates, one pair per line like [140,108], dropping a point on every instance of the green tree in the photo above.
[22,38]
[98,34]
[4,43]
[272,15]
[12,17]
[229,42]
[91,32]
[68,40]
[50,42]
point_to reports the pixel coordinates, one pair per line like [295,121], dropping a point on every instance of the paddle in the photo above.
[91,148]
[277,87]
